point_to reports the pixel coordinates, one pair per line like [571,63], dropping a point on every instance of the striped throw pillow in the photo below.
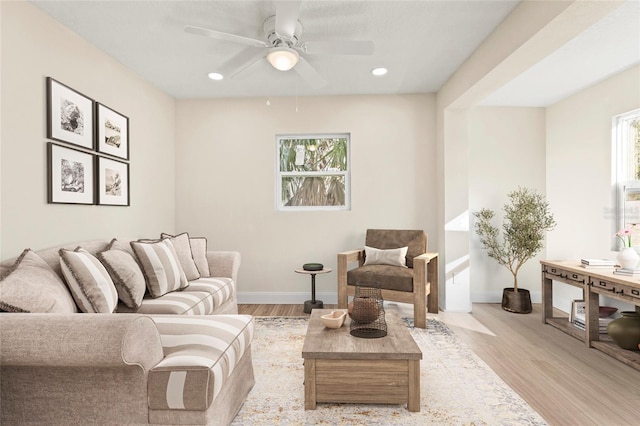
[198,253]
[160,266]
[88,281]
[183,252]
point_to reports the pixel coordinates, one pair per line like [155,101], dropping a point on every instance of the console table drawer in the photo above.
[568,275]
[604,285]
[628,291]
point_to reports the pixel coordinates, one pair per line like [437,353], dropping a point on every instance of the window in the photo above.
[313,172]
[626,136]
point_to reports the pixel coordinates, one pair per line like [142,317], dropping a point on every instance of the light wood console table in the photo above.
[593,283]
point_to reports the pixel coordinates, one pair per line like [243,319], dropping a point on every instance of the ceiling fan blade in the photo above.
[242,62]
[287,17]
[224,36]
[338,47]
[309,74]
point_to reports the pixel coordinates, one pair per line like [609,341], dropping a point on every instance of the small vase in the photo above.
[628,257]
[625,331]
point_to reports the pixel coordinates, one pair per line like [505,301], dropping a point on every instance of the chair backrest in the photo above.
[385,239]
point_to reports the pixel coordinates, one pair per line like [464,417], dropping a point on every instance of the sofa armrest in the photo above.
[224,264]
[79,340]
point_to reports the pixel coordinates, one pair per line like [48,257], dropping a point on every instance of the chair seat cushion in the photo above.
[388,277]
[200,355]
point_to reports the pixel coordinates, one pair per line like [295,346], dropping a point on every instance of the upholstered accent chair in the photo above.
[412,283]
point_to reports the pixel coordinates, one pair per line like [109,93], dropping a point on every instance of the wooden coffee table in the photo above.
[339,367]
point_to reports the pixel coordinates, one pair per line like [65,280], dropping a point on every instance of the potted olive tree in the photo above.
[526,219]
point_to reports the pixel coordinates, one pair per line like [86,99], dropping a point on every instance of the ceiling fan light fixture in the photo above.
[283,58]
[215,76]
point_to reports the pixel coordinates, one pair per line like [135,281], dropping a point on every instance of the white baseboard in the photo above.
[271,298]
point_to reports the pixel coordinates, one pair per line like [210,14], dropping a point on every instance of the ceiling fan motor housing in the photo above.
[276,39]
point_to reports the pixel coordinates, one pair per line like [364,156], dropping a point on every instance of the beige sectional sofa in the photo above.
[181,357]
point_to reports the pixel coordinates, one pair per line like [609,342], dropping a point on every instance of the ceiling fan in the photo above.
[282,46]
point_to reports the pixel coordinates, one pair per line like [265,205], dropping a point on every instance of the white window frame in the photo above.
[280,174]
[623,160]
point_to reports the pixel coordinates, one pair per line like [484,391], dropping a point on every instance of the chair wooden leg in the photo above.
[432,278]
[420,308]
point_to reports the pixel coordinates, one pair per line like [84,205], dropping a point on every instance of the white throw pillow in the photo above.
[393,257]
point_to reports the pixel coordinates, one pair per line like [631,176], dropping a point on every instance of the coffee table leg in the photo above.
[413,404]
[309,384]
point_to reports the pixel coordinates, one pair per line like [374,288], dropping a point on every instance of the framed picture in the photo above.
[71,175]
[69,115]
[113,182]
[113,132]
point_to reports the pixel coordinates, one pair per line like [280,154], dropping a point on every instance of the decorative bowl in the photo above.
[313,266]
[334,320]
[606,311]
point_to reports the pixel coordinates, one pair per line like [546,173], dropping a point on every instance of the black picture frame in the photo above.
[112,132]
[112,182]
[70,115]
[70,175]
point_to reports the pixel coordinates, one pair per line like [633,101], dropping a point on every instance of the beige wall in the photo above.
[33,47]
[506,150]
[225,182]
[579,173]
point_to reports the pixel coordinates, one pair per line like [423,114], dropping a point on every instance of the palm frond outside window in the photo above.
[313,172]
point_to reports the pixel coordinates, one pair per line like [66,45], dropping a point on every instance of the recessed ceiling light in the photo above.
[215,76]
[380,71]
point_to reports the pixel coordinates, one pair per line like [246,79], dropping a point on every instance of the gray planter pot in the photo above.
[518,302]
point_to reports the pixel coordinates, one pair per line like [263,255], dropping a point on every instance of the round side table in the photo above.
[313,303]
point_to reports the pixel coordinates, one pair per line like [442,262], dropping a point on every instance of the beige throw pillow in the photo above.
[32,286]
[199,250]
[185,257]
[126,275]
[89,282]
[393,257]
[160,266]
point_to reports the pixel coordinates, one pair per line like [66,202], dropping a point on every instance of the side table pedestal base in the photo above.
[312,304]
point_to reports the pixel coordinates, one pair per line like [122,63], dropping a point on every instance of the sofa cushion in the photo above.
[176,302]
[89,282]
[32,286]
[221,289]
[200,355]
[185,257]
[394,277]
[199,252]
[202,297]
[126,275]
[160,266]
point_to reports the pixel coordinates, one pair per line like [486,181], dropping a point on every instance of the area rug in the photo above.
[456,386]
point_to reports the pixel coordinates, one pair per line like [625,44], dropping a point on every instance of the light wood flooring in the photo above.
[566,382]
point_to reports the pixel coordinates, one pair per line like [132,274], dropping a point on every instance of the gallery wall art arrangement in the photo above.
[90,164]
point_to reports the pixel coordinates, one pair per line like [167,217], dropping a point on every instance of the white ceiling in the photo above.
[422,43]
